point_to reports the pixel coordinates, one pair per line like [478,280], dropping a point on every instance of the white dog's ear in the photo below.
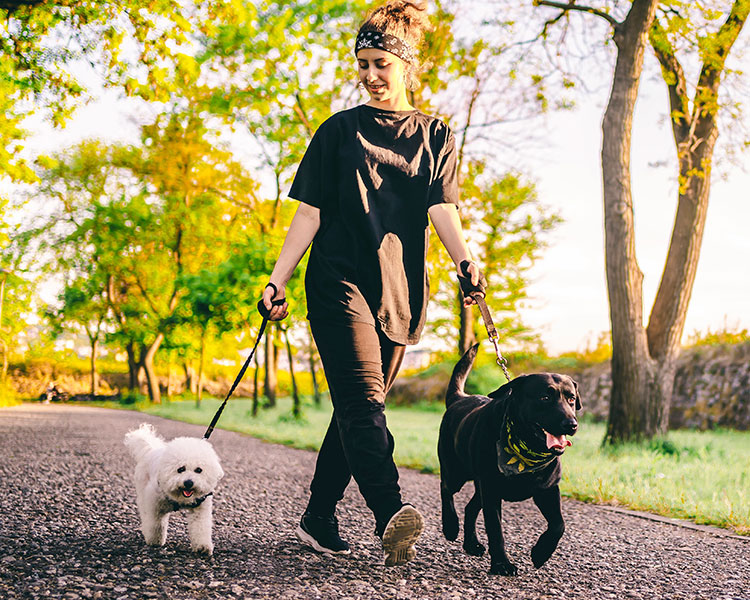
[220,473]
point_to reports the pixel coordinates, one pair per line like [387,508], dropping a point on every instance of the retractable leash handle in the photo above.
[266,315]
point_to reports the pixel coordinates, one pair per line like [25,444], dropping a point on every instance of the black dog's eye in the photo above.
[198,470]
[545,398]
[181,470]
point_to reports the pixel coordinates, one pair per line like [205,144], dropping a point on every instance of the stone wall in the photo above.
[712,388]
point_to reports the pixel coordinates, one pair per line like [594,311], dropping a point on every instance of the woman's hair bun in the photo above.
[407,21]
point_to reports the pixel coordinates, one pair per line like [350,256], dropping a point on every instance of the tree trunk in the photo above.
[5,360]
[467,337]
[695,133]
[154,393]
[199,397]
[633,371]
[311,353]
[270,380]
[170,377]
[296,411]
[133,367]
[191,381]
[94,374]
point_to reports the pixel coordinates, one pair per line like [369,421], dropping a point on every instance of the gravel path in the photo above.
[69,529]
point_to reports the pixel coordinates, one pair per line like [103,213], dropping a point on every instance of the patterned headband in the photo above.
[385,41]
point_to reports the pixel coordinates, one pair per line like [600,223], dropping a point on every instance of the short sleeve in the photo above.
[444,188]
[307,186]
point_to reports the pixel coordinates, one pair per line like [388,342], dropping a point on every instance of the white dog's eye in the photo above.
[198,470]
[181,470]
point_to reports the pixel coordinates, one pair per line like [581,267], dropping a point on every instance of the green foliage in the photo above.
[8,396]
[720,337]
[139,47]
[171,239]
[505,226]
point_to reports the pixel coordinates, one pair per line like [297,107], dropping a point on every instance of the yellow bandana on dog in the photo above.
[514,457]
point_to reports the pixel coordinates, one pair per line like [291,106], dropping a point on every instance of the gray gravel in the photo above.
[69,529]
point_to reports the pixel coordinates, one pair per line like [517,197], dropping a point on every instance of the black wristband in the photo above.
[261,305]
[464,279]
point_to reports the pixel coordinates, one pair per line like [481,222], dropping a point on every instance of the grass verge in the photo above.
[700,476]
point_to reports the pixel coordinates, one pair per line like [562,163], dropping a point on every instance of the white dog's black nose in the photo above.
[187,484]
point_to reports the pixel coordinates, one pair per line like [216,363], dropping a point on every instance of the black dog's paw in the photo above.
[450,529]
[540,554]
[473,548]
[506,568]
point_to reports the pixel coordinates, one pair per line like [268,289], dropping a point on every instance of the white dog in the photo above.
[171,476]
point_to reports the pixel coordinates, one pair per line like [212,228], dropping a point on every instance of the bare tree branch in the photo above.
[565,7]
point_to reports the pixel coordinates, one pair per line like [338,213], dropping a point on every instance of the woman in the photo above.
[366,185]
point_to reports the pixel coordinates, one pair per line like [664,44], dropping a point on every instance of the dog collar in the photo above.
[198,501]
[514,457]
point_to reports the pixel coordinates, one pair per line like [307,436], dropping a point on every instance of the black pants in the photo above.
[360,364]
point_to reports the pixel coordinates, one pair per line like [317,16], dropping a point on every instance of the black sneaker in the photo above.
[321,534]
[400,534]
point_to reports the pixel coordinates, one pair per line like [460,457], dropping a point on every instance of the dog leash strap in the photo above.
[266,315]
[491,332]
[236,380]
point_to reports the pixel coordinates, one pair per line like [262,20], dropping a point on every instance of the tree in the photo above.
[183,202]
[130,44]
[643,357]
[83,304]
[289,68]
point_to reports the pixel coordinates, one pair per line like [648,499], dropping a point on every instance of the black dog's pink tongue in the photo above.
[560,441]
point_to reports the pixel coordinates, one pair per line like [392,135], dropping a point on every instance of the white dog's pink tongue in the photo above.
[554,441]
[188,493]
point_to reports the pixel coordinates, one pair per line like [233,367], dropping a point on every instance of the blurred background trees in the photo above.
[158,248]
[159,245]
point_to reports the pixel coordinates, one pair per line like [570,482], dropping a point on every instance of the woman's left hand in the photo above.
[472,281]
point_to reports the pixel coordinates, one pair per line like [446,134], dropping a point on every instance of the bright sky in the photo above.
[568,297]
[569,291]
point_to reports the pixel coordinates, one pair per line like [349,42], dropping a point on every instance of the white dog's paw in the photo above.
[203,548]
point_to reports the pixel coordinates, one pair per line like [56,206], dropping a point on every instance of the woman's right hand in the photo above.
[276,313]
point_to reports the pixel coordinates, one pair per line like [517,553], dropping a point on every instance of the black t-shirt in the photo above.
[373,174]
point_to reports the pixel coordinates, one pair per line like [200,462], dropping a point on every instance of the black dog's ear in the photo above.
[507,389]
[578,396]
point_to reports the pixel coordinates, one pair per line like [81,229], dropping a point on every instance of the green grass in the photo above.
[701,476]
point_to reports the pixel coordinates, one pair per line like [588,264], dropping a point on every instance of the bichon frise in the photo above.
[171,476]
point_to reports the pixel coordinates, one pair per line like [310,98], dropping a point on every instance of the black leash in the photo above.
[266,314]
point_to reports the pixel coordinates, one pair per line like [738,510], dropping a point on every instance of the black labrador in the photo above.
[509,443]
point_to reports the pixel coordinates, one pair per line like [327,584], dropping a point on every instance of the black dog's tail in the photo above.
[461,371]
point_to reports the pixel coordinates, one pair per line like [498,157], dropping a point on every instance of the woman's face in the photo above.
[382,74]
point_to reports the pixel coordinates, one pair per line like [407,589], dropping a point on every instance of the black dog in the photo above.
[509,444]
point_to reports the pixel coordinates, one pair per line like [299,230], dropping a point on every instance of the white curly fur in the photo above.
[163,474]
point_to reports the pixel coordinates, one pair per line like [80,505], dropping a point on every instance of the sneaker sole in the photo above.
[309,540]
[400,534]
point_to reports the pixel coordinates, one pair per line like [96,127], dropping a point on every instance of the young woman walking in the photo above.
[369,180]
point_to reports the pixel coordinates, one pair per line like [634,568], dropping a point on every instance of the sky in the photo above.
[567,302]
[568,291]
